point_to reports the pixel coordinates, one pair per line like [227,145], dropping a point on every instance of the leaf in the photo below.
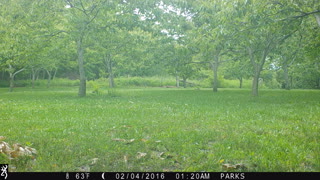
[2,138]
[129,141]
[17,150]
[125,158]
[30,150]
[94,161]
[5,148]
[84,168]
[229,166]
[157,154]
[15,154]
[124,140]
[233,167]
[221,161]
[28,143]
[141,155]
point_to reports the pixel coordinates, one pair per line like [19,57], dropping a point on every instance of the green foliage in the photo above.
[113,92]
[227,83]
[60,82]
[4,83]
[101,84]
[57,82]
[145,81]
[96,89]
[160,38]
[162,129]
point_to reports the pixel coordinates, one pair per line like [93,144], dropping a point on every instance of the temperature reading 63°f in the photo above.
[83,175]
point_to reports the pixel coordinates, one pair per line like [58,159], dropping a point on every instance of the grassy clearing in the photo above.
[173,129]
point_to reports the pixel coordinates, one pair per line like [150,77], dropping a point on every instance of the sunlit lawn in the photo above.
[159,129]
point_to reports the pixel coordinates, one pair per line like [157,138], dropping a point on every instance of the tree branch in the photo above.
[94,16]
[199,62]
[303,14]
[18,71]
[55,33]
[83,8]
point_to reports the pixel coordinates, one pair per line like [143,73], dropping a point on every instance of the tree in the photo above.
[184,66]
[178,62]
[238,69]
[81,16]
[135,38]
[110,42]
[28,28]
[14,39]
[212,34]
[300,9]
[286,55]
[260,32]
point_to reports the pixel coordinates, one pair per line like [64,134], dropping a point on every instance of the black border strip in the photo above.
[159,175]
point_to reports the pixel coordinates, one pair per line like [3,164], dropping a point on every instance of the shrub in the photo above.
[95,87]
[144,81]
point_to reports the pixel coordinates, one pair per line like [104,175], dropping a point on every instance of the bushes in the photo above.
[63,82]
[226,83]
[4,83]
[156,81]
[144,81]
[57,82]
[18,83]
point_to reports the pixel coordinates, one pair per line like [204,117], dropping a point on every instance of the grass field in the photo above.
[159,129]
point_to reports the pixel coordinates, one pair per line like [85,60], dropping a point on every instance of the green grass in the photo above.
[178,129]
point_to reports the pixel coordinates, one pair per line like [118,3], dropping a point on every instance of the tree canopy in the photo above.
[106,39]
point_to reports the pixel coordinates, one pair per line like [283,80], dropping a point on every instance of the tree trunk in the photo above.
[257,67]
[177,80]
[11,77]
[33,76]
[55,73]
[49,78]
[214,67]
[108,62]
[2,77]
[37,75]
[11,86]
[317,18]
[286,76]
[255,84]
[184,79]
[240,81]
[111,79]
[82,86]
[43,74]
[285,67]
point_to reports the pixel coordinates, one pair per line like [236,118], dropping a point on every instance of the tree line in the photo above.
[237,39]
